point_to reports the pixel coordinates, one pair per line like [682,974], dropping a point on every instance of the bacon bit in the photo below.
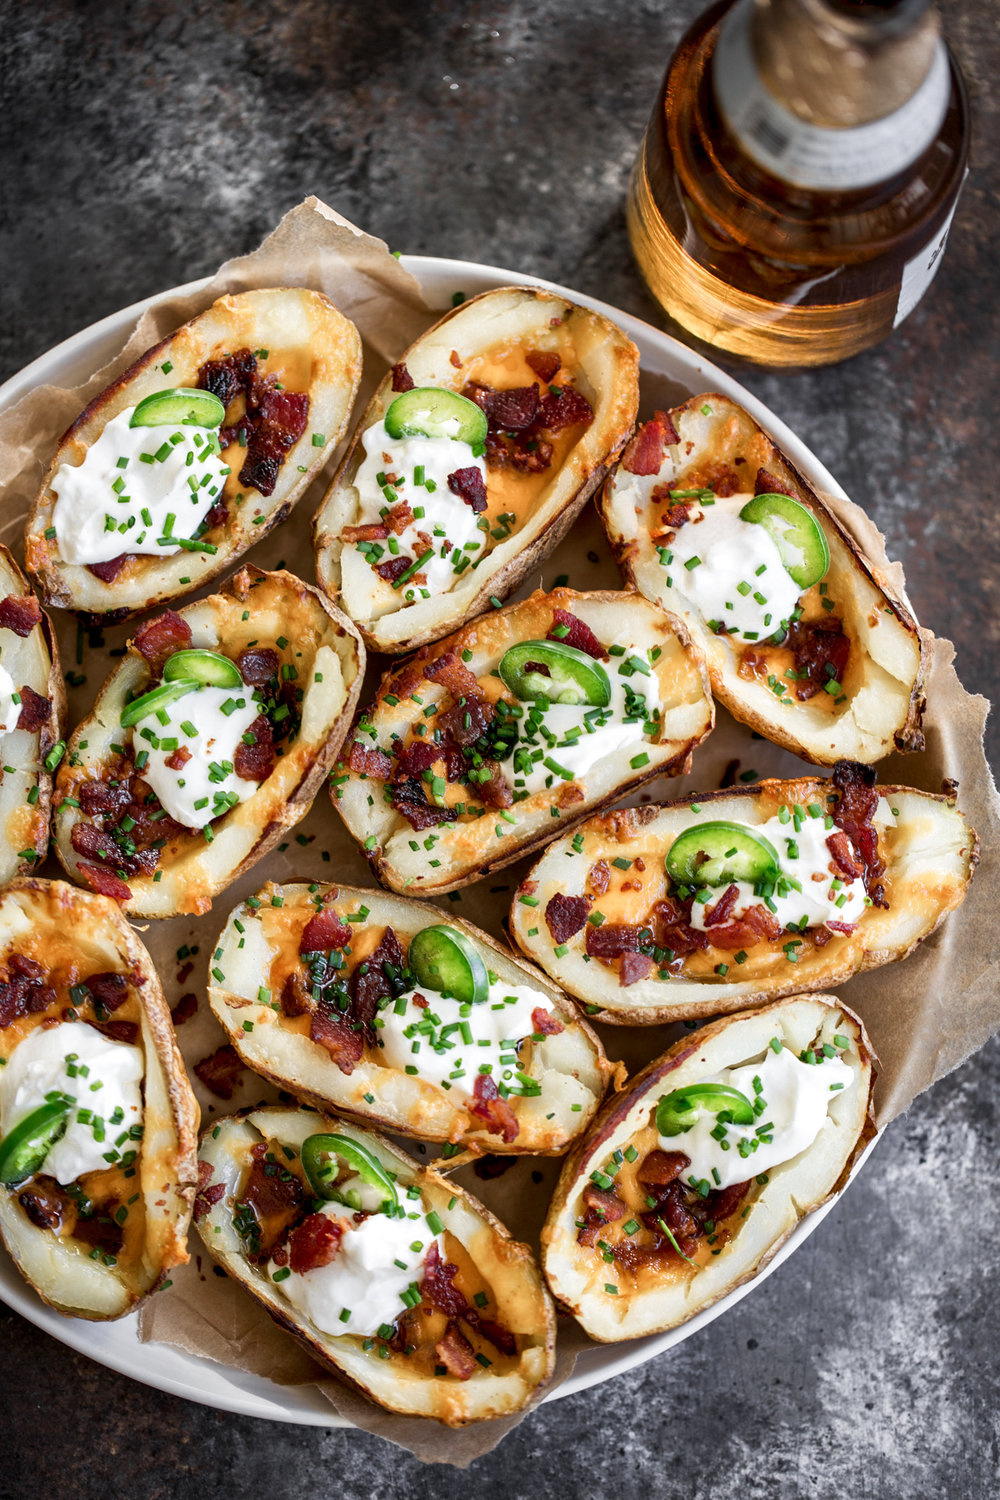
[497,1113]
[719,910]
[256,762]
[314,1242]
[225,377]
[393,568]
[634,966]
[104,883]
[576,633]
[662,1167]
[402,380]
[160,638]
[645,453]
[599,877]
[725,1201]
[455,358]
[721,478]
[217,516]
[374,985]
[398,518]
[324,931]
[109,991]
[375,531]
[20,614]
[469,485]
[332,1030]
[455,1352]
[25,993]
[545,363]
[845,927]
[207,1197]
[515,408]
[453,675]
[495,792]
[45,1205]
[185,1008]
[612,939]
[410,799]
[368,761]
[278,423]
[571,409]
[854,811]
[767,483]
[257,665]
[221,1072]
[413,759]
[565,915]
[108,571]
[544,1023]
[465,723]
[178,759]
[534,459]
[296,999]
[98,797]
[35,710]
[821,651]
[101,1231]
[842,854]
[436,1286]
[601,1208]
[673,1210]
[118,1031]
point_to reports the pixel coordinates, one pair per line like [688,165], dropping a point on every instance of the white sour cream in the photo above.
[826,895]
[136,487]
[197,792]
[364,1279]
[731,570]
[448,1043]
[10,711]
[796,1099]
[101,1076]
[450,523]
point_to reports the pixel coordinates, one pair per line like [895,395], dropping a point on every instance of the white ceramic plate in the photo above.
[664,362]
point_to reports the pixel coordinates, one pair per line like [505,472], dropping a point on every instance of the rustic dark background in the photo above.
[143,145]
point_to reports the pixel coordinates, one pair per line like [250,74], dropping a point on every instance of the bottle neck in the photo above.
[823,105]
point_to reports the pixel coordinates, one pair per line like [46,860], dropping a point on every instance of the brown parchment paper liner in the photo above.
[924,1016]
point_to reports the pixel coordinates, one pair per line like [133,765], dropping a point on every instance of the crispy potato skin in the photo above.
[930,851]
[469,851]
[32,661]
[572,1068]
[817,1175]
[522,1302]
[275,604]
[606,367]
[168,1168]
[885,686]
[309,341]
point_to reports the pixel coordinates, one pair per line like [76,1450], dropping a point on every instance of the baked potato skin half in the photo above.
[30,655]
[656,1297]
[325,651]
[259,946]
[76,933]
[506,1269]
[311,347]
[929,850]
[472,848]
[493,332]
[721,447]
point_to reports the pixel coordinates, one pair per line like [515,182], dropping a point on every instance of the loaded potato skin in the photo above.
[432,516]
[207,743]
[484,746]
[94,1203]
[862,874]
[455,1325]
[322,990]
[805,640]
[275,373]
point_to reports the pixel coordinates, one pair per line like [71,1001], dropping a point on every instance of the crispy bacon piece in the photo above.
[108,991]
[845,927]
[257,665]
[206,1196]
[398,518]
[601,1208]
[373,531]
[662,1167]
[633,967]
[314,1242]
[35,710]
[256,762]
[226,377]
[295,996]
[469,485]
[24,992]
[45,1204]
[569,409]
[599,877]
[821,650]
[455,1352]
[853,812]
[767,483]
[278,423]
[20,614]
[534,457]
[495,792]
[719,910]
[645,453]
[179,759]
[105,883]
[756,925]
[402,380]
[101,797]
[160,638]
[369,761]
[185,1008]
[672,1208]
[324,931]
[108,571]
[373,984]
[465,722]
[118,1031]
[453,675]
[515,408]
[545,363]
[724,1201]
[393,568]
[565,915]
[221,1072]
[436,1285]
[842,854]
[409,798]
[612,939]
[101,1231]
[487,1105]
[544,1023]
[332,1030]
[413,759]
[576,633]
[218,515]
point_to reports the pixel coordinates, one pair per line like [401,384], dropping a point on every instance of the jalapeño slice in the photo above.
[553,670]
[429,412]
[444,960]
[158,697]
[677,1112]
[796,533]
[24,1149]
[321,1155]
[179,407]
[209,668]
[719,853]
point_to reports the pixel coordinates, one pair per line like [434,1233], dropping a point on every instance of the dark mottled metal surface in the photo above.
[143,145]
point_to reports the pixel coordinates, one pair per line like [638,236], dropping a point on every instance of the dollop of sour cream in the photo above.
[10,711]
[731,570]
[793,1099]
[360,1289]
[448,1042]
[102,1078]
[209,723]
[136,489]
[813,891]
[415,470]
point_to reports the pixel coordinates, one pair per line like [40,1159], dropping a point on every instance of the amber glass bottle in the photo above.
[798,177]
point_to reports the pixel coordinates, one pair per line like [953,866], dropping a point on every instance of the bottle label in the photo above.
[920,271]
[815,156]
